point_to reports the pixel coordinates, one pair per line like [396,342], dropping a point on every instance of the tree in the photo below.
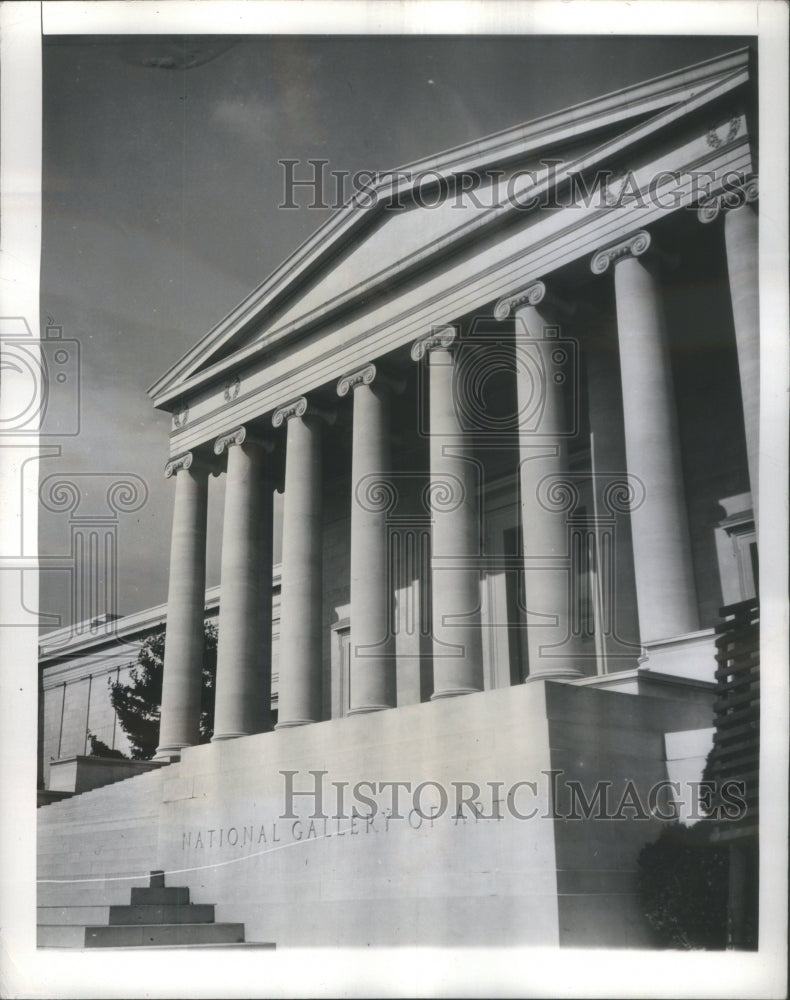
[683,884]
[100,749]
[138,702]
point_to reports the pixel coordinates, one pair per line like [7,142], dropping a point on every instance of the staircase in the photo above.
[159,916]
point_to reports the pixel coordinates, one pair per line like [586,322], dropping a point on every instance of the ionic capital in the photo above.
[300,408]
[746,192]
[178,463]
[367,375]
[440,337]
[532,295]
[362,376]
[241,435]
[633,246]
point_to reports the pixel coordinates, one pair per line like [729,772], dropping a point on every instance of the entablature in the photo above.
[546,241]
[667,100]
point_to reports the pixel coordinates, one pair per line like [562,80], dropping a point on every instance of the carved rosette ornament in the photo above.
[442,337]
[180,418]
[744,193]
[714,138]
[532,295]
[633,246]
[300,408]
[231,389]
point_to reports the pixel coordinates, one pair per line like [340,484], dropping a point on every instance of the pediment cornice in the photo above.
[667,99]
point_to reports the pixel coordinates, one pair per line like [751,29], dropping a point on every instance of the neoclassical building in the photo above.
[510,397]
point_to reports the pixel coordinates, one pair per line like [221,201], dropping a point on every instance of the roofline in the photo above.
[477,155]
[78,638]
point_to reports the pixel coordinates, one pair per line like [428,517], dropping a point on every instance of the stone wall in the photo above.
[511,862]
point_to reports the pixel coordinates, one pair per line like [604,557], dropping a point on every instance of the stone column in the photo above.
[186,600]
[741,240]
[244,653]
[372,670]
[662,553]
[302,585]
[455,530]
[553,650]
[608,462]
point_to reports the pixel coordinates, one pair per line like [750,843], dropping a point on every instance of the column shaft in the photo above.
[372,679]
[244,666]
[183,660]
[552,648]
[662,552]
[301,594]
[741,238]
[455,541]
[608,460]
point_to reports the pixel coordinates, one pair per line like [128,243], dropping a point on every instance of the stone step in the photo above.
[137,782]
[162,935]
[168,913]
[72,915]
[161,896]
[60,936]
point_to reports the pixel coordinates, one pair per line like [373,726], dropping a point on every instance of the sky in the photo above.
[162,190]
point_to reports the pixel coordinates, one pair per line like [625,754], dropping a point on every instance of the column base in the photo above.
[555,675]
[365,709]
[292,723]
[171,754]
[219,737]
[454,693]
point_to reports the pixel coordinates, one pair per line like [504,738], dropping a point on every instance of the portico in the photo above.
[495,353]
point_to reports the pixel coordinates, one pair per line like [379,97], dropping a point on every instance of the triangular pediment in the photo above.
[425,211]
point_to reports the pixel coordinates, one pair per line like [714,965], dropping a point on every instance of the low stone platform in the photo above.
[528,865]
